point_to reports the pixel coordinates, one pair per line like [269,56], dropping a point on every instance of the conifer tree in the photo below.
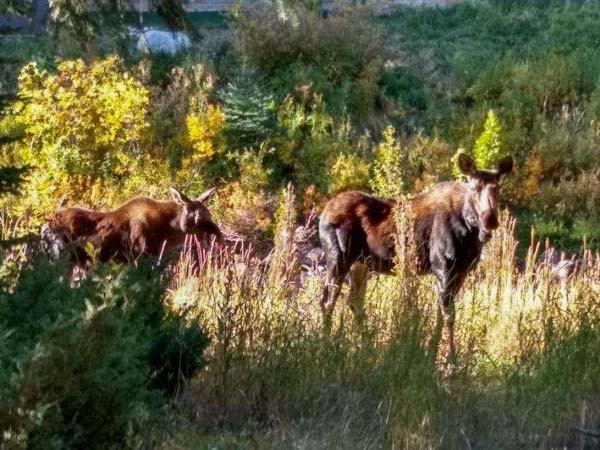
[249,109]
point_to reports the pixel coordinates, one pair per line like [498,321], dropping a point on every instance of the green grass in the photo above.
[451,48]
[567,235]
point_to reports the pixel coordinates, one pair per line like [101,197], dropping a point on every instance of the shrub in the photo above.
[311,142]
[349,171]
[11,129]
[244,205]
[83,124]
[409,166]
[89,366]
[389,167]
[294,45]
[204,128]
[570,198]
[488,147]
[80,119]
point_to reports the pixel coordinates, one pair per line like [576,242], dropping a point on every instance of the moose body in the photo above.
[139,226]
[452,221]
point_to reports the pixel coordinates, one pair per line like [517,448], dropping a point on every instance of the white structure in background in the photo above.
[162,41]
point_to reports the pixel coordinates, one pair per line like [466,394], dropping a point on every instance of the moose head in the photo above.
[195,218]
[481,204]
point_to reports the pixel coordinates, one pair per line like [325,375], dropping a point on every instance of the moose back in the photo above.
[139,226]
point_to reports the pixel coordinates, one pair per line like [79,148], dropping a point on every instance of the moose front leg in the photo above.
[447,312]
[449,284]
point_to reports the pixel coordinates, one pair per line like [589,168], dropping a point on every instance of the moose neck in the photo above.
[469,212]
[176,212]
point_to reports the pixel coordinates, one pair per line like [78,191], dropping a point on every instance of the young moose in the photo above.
[140,226]
[452,222]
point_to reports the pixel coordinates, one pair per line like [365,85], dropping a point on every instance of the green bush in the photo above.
[89,366]
[340,56]
[389,172]
[313,149]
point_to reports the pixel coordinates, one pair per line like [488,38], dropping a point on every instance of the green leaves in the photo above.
[488,146]
[90,365]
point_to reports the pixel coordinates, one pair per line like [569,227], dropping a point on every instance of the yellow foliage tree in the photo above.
[205,129]
[349,171]
[83,125]
[79,118]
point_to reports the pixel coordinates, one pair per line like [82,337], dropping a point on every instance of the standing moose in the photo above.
[452,221]
[140,226]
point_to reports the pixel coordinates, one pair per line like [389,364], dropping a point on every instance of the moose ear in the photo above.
[505,165]
[466,164]
[179,197]
[207,195]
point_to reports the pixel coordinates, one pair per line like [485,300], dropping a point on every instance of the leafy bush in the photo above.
[80,118]
[84,124]
[204,131]
[349,171]
[11,129]
[89,366]
[488,147]
[341,55]
[389,172]
[311,141]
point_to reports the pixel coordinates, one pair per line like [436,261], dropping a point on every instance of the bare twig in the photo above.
[592,433]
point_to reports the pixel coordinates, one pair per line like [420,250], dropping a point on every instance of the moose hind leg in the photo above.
[337,268]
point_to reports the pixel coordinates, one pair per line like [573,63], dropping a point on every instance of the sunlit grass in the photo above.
[273,373]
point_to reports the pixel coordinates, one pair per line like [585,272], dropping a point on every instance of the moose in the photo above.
[452,221]
[140,226]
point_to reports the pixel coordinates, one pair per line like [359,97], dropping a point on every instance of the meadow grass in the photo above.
[527,371]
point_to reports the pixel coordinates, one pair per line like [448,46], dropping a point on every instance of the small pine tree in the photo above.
[389,174]
[249,110]
[488,147]
[489,144]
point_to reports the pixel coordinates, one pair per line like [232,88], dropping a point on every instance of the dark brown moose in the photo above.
[452,221]
[139,226]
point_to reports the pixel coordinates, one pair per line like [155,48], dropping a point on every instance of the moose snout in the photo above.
[210,228]
[489,220]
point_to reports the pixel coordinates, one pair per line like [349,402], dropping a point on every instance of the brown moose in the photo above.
[139,226]
[452,221]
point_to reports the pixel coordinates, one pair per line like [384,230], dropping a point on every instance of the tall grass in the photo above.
[526,343]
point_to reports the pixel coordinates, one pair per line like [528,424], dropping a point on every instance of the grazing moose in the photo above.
[452,221]
[140,226]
